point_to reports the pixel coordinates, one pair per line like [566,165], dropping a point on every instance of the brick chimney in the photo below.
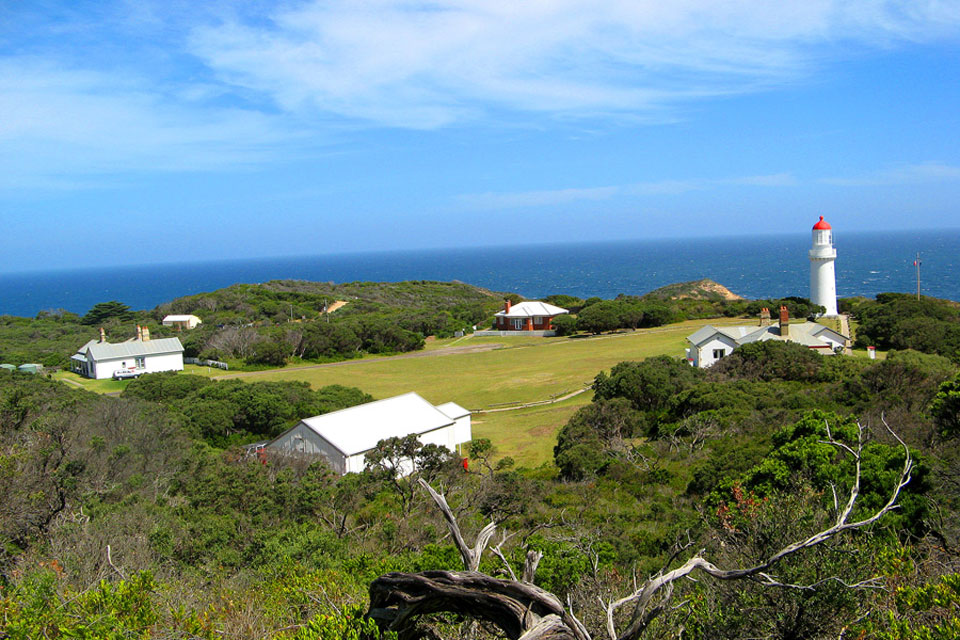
[139,333]
[765,317]
[103,335]
[145,334]
[506,306]
[784,322]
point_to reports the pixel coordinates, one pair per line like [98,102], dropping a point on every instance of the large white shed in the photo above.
[344,437]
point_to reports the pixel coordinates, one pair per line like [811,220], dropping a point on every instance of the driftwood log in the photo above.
[520,610]
[523,611]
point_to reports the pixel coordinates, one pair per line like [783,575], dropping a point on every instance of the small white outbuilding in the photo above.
[344,437]
[181,321]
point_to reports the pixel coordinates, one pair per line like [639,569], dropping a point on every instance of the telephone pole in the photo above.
[916,263]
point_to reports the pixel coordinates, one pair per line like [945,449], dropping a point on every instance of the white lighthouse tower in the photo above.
[823,279]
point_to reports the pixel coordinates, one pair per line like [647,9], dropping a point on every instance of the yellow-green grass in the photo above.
[524,370]
[527,435]
[108,385]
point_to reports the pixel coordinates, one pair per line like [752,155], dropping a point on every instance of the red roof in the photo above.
[822,224]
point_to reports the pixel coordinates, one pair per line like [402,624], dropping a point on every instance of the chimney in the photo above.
[103,335]
[139,333]
[145,334]
[784,322]
[765,317]
[506,306]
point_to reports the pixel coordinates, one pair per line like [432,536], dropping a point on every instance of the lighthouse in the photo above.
[823,279]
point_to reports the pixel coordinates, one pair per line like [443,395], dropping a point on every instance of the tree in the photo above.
[103,311]
[599,317]
[649,385]
[565,325]
[945,408]
[400,462]
[522,610]
[596,435]
[268,352]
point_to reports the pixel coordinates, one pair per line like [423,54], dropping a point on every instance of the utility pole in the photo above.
[916,263]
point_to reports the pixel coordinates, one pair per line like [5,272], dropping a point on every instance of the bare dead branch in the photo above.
[523,611]
[471,557]
[113,566]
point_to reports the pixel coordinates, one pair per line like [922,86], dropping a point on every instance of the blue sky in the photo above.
[137,132]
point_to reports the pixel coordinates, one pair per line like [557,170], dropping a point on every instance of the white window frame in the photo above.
[722,353]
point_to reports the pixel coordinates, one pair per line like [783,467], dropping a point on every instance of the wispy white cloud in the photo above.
[64,122]
[426,65]
[130,86]
[928,172]
[521,199]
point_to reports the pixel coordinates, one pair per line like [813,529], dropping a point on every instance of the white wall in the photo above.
[152,364]
[829,338]
[462,432]
[703,355]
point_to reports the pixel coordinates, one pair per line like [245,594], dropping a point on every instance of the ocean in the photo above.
[753,267]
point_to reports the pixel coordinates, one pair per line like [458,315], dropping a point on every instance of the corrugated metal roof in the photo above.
[108,351]
[532,308]
[805,333]
[360,428]
[180,318]
[452,410]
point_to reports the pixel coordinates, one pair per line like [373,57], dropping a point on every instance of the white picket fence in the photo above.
[206,363]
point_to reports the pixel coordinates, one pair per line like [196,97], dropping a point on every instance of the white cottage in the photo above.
[100,359]
[344,437]
[709,344]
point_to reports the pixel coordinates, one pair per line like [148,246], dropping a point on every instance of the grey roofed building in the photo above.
[131,348]
[809,334]
[709,343]
[100,359]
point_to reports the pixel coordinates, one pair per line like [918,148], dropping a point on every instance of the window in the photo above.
[140,362]
[719,353]
[518,324]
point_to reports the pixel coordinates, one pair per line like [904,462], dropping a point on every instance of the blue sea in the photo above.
[753,267]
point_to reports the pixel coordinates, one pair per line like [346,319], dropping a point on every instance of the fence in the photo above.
[207,363]
[502,334]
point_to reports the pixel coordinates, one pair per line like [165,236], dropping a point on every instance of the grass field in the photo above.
[521,370]
[527,435]
[113,386]
[513,370]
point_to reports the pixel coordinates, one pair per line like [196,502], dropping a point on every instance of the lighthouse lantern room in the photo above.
[823,279]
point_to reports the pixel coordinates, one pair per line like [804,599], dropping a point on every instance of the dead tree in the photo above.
[523,611]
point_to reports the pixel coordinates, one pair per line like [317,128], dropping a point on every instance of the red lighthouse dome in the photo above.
[822,224]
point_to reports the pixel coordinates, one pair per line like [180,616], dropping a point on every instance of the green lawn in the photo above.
[111,386]
[99,386]
[519,369]
[523,370]
[527,435]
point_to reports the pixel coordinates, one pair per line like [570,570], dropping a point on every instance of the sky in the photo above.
[136,132]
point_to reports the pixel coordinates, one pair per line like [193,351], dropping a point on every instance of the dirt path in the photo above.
[845,330]
[444,351]
[538,403]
